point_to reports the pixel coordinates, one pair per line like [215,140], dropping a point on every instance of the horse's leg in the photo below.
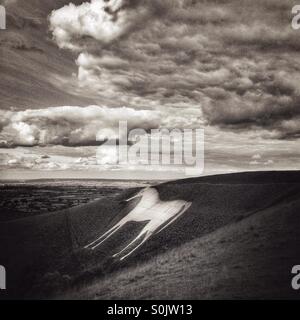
[131,243]
[128,254]
[106,235]
[181,212]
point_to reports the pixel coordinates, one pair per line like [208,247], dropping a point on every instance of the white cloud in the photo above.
[68,125]
[13,162]
[102,20]
[269,163]
[107,155]
[256,157]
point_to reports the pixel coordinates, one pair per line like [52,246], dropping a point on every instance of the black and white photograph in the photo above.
[149,151]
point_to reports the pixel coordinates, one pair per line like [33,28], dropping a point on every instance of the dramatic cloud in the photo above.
[102,20]
[236,61]
[71,126]
[231,67]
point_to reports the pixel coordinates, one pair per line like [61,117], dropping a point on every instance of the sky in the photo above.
[70,71]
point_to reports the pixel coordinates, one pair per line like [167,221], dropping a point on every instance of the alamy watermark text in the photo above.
[154,148]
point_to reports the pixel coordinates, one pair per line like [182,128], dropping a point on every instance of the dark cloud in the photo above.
[234,60]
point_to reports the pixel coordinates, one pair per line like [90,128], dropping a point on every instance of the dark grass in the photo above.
[46,257]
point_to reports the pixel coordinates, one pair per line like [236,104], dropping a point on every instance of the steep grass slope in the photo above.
[248,259]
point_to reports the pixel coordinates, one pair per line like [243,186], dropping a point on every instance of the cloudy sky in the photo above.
[71,71]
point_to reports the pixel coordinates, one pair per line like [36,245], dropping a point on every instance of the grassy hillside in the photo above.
[249,259]
[240,234]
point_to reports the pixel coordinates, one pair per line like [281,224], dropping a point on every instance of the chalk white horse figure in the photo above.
[159,214]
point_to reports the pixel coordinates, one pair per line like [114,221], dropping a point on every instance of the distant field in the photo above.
[24,199]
